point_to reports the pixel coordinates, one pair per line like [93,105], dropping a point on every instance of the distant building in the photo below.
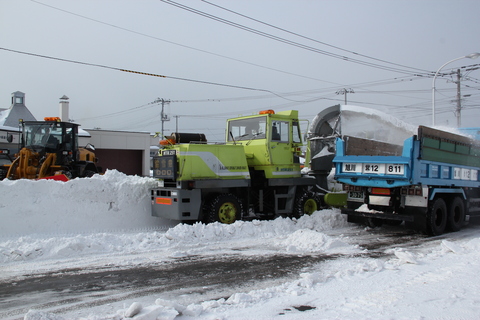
[9,119]
[127,152]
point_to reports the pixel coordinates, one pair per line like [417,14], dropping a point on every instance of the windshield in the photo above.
[43,135]
[247,129]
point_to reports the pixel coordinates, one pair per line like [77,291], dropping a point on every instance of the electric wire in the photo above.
[290,42]
[311,39]
[143,73]
[125,29]
[180,45]
[464,67]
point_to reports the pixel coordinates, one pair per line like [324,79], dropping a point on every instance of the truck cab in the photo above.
[272,142]
[52,136]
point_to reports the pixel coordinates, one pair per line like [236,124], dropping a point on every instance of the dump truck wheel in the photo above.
[437,217]
[393,222]
[306,203]
[224,208]
[456,214]
[373,222]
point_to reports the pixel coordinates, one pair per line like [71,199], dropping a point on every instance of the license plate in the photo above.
[375,168]
[383,168]
[169,152]
[355,195]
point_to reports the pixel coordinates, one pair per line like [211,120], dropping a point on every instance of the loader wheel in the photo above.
[456,214]
[437,217]
[88,173]
[306,203]
[224,208]
[12,171]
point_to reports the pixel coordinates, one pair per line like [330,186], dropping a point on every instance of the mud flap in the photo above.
[419,222]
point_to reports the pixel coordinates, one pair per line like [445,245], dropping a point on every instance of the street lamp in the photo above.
[470,56]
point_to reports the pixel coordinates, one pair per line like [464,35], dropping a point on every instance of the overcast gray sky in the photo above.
[279,54]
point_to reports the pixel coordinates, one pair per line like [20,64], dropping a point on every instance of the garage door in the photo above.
[126,161]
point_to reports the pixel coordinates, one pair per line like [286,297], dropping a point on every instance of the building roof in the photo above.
[10,117]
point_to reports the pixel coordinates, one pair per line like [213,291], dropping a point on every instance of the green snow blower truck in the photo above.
[255,174]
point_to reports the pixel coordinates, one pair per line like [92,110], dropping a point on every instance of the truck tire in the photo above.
[225,208]
[437,217]
[305,203]
[374,222]
[456,214]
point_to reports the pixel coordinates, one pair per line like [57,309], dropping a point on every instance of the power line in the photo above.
[180,45]
[156,38]
[282,96]
[311,39]
[118,113]
[143,73]
[286,41]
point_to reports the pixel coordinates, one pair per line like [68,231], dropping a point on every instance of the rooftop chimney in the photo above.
[64,106]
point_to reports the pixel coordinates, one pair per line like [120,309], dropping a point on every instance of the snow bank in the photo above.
[280,235]
[103,203]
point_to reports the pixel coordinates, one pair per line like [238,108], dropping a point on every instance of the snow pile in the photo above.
[109,202]
[35,248]
[305,240]
[280,235]
[373,124]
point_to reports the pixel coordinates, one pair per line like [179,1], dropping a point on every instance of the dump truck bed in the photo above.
[432,157]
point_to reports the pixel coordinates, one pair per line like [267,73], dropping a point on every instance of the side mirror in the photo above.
[90,147]
[9,137]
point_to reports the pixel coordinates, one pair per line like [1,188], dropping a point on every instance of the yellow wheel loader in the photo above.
[49,150]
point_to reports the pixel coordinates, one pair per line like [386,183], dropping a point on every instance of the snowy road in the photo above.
[203,278]
[195,278]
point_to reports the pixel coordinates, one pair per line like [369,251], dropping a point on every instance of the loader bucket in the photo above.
[57,177]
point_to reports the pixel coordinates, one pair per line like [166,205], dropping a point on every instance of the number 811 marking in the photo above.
[395,169]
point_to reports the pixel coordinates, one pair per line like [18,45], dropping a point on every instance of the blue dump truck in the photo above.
[431,182]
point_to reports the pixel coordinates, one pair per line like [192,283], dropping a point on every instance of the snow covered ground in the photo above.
[104,221]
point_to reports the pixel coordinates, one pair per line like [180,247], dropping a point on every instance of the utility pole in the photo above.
[459,101]
[176,123]
[345,91]
[163,117]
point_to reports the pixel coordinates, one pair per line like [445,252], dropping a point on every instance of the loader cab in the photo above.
[51,136]
[272,142]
